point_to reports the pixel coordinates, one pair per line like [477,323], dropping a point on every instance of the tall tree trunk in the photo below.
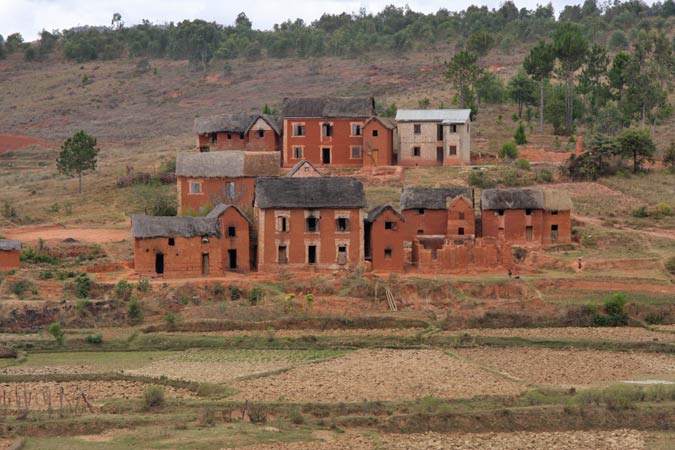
[568,104]
[541,106]
[520,110]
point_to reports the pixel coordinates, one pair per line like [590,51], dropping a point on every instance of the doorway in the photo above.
[528,233]
[159,263]
[205,264]
[554,233]
[283,254]
[232,257]
[439,155]
[325,155]
[311,254]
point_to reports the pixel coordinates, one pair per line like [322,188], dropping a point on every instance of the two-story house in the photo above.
[434,137]
[251,132]
[309,223]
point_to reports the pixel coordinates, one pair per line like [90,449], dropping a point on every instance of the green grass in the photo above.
[100,361]
[599,297]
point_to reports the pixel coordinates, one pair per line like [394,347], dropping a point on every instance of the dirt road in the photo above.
[59,232]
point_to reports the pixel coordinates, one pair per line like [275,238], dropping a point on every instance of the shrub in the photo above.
[508,150]
[82,306]
[171,321]
[255,295]
[46,275]
[663,209]
[123,290]
[144,285]
[519,253]
[29,254]
[134,312]
[153,397]
[614,315]
[57,332]
[640,212]
[82,286]
[235,292]
[523,164]
[481,180]
[257,414]
[19,288]
[218,290]
[544,176]
[309,298]
[519,136]
[94,339]
[670,265]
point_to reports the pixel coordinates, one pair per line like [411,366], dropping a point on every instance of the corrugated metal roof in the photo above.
[433,115]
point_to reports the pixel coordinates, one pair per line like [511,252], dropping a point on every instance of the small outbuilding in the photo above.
[10,254]
[251,132]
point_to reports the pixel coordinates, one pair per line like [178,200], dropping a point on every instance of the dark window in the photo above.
[390,225]
[500,212]
[311,254]
[420,211]
[312,224]
[283,255]
[241,135]
[298,130]
[232,231]
[342,224]
[214,138]
[282,224]
[356,129]
[439,132]
[261,133]
[172,242]
[528,212]
[375,133]
[453,128]
[387,253]
[554,212]
[417,128]
[554,227]
[417,151]
[420,231]
[461,216]
[297,152]
[342,249]
[453,150]
[460,231]
[327,129]
[229,135]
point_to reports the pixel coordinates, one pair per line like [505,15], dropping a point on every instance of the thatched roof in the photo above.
[557,200]
[9,245]
[220,209]
[329,107]
[143,226]
[375,213]
[228,163]
[496,199]
[309,193]
[235,123]
[299,165]
[432,198]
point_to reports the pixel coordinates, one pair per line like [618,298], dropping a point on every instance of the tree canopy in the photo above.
[78,156]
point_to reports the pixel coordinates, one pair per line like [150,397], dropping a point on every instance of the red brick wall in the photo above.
[267,143]
[250,142]
[377,150]
[469,255]
[564,221]
[381,239]
[456,209]
[212,193]
[297,239]
[241,242]
[313,142]
[182,260]
[10,260]
[433,221]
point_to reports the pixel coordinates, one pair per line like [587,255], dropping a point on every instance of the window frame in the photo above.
[417,152]
[231,231]
[417,128]
[351,152]
[191,189]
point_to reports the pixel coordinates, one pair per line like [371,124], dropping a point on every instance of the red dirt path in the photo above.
[59,232]
[16,141]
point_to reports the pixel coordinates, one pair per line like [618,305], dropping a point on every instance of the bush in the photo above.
[19,288]
[82,306]
[663,209]
[46,275]
[29,254]
[257,414]
[153,397]
[519,136]
[82,286]
[134,312]
[235,292]
[218,290]
[614,315]
[309,298]
[508,150]
[123,290]
[94,339]
[481,180]
[544,176]
[57,332]
[144,285]
[255,295]
[640,212]
[523,164]
[670,265]
[171,321]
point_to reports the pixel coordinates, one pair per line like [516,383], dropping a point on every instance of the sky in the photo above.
[28,17]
